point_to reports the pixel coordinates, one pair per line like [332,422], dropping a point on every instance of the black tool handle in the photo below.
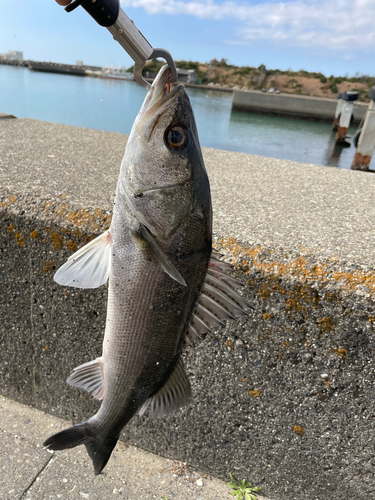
[105,12]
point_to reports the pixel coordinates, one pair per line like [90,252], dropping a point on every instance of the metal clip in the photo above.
[138,77]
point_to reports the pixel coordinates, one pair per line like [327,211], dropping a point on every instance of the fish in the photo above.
[166,285]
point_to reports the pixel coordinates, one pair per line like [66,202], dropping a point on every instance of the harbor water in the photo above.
[112,105]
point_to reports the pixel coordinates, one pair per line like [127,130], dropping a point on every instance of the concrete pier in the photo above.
[345,117]
[285,396]
[294,106]
[339,106]
[366,142]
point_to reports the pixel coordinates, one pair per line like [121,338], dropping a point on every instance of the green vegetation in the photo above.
[153,66]
[323,79]
[333,87]
[242,490]
[243,70]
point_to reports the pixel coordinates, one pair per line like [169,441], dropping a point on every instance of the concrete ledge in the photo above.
[297,106]
[284,397]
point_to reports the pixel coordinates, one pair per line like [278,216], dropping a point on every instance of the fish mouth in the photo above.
[158,100]
[161,90]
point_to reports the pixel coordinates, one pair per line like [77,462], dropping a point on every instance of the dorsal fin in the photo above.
[218,301]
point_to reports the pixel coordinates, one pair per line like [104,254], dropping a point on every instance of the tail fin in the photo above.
[98,448]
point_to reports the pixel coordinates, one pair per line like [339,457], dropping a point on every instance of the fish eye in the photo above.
[176,138]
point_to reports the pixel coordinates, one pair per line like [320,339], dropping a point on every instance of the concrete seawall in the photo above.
[297,106]
[283,397]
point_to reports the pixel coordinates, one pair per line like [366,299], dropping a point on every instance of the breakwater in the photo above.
[51,67]
[296,106]
[283,397]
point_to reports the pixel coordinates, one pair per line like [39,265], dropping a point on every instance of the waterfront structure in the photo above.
[12,55]
[187,75]
[112,73]
[295,106]
[366,141]
[49,67]
[345,117]
[340,105]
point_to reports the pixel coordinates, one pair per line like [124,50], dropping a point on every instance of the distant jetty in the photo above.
[51,67]
[65,69]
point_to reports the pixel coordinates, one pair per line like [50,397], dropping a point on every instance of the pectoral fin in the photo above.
[173,395]
[89,267]
[146,243]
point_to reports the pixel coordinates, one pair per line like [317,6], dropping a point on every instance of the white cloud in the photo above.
[337,25]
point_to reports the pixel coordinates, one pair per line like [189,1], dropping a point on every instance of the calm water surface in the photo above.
[113,105]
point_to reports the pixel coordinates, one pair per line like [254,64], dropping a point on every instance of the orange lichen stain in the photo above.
[371,318]
[297,268]
[20,239]
[4,204]
[286,344]
[341,352]
[12,199]
[244,379]
[71,245]
[266,289]
[267,317]
[255,393]
[327,383]
[95,220]
[299,430]
[229,343]
[47,205]
[56,239]
[12,228]
[34,235]
[293,306]
[48,266]
[84,218]
[46,348]
[326,324]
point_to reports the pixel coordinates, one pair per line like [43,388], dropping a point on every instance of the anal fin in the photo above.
[175,393]
[89,377]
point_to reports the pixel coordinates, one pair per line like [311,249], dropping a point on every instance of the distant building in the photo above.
[214,61]
[187,75]
[79,63]
[14,55]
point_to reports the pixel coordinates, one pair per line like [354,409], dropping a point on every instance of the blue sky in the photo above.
[332,36]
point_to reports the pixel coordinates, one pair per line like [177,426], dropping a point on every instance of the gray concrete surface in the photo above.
[300,106]
[32,473]
[283,397]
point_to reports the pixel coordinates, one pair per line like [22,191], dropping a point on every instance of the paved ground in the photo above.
[30,472]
